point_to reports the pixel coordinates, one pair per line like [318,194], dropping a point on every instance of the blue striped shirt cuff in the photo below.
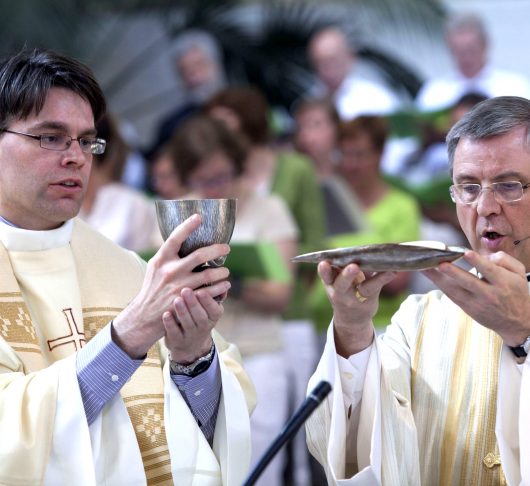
[102,370]
[202,394]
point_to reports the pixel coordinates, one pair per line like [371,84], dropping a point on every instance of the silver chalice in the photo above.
[218,220]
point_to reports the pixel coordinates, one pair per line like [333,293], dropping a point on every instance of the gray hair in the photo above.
[490,118]
[466,22]
[196,38]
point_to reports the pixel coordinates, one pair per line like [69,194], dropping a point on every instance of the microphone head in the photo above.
[321,391]
[516,242]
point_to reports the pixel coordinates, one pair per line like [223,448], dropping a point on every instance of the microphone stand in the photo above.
[313,400]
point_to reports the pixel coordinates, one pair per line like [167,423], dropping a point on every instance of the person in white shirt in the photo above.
[334,60]
[441,397]
[468,43]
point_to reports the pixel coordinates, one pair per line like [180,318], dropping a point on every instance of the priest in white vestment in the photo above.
[441,397]
[111,371]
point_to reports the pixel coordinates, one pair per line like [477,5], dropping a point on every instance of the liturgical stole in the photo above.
[104,289]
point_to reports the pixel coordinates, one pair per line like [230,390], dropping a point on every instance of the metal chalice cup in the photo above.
[218,220]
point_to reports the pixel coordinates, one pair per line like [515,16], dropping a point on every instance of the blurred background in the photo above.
[326,120]
[328,137]
[126,42]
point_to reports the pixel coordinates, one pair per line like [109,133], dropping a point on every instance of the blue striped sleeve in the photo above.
[202,394]
[102,369]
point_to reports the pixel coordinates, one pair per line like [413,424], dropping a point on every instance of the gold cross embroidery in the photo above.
[75,337]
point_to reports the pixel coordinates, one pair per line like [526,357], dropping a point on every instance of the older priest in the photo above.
[85,396]
[441,397]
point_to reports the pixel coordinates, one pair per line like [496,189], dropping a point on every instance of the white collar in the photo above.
[18,239]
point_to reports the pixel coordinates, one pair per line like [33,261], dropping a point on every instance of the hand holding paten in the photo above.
[354,296]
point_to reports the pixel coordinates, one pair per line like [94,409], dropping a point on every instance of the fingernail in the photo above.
[185,290]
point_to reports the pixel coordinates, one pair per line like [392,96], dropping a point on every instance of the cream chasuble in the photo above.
[41,410]
[440,405]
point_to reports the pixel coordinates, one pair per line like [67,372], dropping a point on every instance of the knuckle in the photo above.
[155,263]
[222,273]
[163,272]
[200,255]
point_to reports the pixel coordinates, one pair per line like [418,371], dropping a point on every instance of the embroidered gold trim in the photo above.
[146,411]
[89,310]
[454,411]
[161,479]
[154,396]
[417,351]
[157,465]
[10,295]
[27,349]
[480,436]
[491,460]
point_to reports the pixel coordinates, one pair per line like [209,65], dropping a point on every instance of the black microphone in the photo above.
[313,400]
[516,242]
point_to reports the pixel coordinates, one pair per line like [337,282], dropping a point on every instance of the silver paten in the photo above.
[388,256]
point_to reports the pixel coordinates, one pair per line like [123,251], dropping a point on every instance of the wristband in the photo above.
[193,369]
[522,350]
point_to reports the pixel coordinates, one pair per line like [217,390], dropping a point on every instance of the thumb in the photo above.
[172,245]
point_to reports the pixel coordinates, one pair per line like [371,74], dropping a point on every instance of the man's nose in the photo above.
[74,155]
[487,202]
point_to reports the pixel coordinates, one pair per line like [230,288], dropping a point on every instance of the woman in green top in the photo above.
[269,170]
[393,216]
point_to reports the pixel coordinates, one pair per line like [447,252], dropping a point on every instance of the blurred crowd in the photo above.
[341,177]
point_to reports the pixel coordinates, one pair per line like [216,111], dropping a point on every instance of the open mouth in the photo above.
[69,184]
[491,235]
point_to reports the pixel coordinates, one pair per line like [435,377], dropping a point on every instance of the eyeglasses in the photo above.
[52,141]
[509,191]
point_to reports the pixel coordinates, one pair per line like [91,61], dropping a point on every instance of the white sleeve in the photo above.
[340,440]
[352,375]
[524,422]
[86,455]
[513,421]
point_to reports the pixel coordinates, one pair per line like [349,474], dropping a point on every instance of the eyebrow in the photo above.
[52,125]
[509,175]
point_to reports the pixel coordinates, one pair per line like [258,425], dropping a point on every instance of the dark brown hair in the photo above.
[315,103]
[250,106]
[201,137]
[26,78]
[376,127]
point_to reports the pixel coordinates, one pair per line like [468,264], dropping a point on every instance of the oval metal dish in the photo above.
[386,256]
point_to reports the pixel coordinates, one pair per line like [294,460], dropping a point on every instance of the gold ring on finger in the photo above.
[360,297]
